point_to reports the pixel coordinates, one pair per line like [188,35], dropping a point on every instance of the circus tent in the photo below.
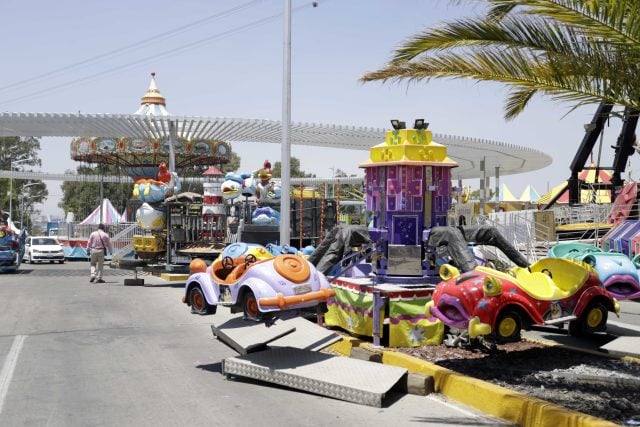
[109,214]
[586,195]
[504,195]
[529,194]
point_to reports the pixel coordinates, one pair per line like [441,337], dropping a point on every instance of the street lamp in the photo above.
[22,199]
[17,162]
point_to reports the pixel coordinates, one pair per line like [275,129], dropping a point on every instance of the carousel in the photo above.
[161,212]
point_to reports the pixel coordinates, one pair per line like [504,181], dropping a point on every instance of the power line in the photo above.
[167,53]
[133,46]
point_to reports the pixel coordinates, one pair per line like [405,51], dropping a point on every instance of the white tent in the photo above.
[109,214]
[529,194]
[504,195]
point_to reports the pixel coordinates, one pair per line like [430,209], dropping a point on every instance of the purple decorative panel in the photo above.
[414,187]
[392,172]
[404,230]
[393,187]
[391,203]
[418,204]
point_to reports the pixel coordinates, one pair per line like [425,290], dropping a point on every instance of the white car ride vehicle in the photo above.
[43,248]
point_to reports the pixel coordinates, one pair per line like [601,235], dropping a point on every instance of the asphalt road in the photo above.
[627,324]
[73,353]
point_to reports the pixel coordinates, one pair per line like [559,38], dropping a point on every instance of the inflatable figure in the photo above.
[156,190]
[265,216]
[163,173]
[248,185]
[282,249]
[266,189]
[149,218]
[232,185]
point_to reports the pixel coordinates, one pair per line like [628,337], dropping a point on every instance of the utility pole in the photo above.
[285,152]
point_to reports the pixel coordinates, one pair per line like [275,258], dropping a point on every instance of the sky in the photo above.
[225,59]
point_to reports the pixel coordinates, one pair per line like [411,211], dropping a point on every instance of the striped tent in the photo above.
[586,195]
[529,194]
[504,195]
[109,214]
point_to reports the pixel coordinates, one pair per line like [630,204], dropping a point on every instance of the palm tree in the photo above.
[577,51]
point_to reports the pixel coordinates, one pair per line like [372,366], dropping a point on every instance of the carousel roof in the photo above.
[467,152]
[153,103]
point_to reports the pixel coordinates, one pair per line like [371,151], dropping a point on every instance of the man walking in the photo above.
[97,245]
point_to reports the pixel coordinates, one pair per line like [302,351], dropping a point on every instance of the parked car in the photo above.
[619,274]
[261,289]
[43,249]
[553,291]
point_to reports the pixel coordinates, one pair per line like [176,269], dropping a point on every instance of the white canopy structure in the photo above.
[466,151]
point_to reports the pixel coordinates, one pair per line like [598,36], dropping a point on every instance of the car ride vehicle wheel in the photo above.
[199,304]
[508,326]
[593,319]
[250,306]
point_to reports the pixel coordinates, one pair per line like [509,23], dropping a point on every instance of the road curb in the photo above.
[488,398]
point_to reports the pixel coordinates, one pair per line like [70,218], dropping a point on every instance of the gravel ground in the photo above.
[595,385]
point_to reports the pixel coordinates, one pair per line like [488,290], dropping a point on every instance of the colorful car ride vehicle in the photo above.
[619,275]
[262,289]
[241,250]
[553,291]
[11,249]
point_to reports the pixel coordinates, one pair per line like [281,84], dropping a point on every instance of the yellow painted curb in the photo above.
[488,398]
[344,346]
[492,399]
[173,277]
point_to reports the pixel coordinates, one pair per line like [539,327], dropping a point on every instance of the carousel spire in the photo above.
[153,103]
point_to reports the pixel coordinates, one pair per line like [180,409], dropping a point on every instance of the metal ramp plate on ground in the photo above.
[307,336]
[343,378]
[245,336]
[628,346]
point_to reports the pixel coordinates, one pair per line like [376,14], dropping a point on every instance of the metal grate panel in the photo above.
[245,336]
[352,380]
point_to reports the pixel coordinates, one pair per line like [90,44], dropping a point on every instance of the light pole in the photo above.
[333,186]
[22,199]
[285,149]
[17,162]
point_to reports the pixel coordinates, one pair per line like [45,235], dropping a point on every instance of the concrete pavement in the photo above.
[76,353]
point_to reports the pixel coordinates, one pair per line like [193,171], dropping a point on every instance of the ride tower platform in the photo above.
[408,192]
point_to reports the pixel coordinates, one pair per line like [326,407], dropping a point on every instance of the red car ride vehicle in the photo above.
[552,291]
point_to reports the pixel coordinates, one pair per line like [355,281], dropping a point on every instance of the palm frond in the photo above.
[524,32]
[617,21]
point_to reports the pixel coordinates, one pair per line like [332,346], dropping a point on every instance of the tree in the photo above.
[577,51]
[82,198]
[26,192]
[233,165]
[294,170]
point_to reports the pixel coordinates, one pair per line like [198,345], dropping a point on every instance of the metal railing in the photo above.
[121,240]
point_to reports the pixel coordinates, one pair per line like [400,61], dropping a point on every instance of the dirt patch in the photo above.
[595,385]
